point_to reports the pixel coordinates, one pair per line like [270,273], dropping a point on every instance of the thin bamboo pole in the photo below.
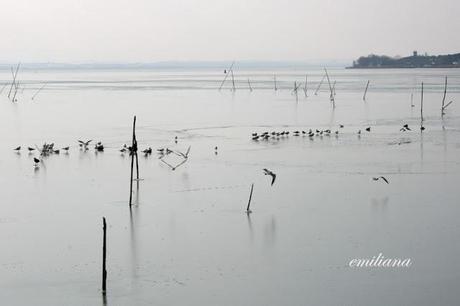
[133,152]
[421,105]
[104,256]
[444,97]
[250,198]
[365,91]
[319,85]
[330,88]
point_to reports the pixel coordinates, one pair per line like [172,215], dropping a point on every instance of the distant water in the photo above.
[188,240]
[394,80]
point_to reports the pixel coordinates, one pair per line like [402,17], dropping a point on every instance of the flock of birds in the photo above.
[312,133]
[318,133]
[49,148]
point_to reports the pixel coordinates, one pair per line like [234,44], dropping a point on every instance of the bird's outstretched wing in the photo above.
[383,178]
[188,151]
[180,164]
[169,165]
[273,178]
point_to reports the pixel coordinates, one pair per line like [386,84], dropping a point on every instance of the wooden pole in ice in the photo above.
[104,255]
[330,88]
[319,85]
[133,155]
[226,75]
[250,198]
[365,91]
[14,79]
[233,80]
[444,97]
[305,86]
[421,104]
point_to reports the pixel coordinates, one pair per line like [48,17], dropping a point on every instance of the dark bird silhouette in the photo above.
[30,149]
[66,148]
[99,147]
[406,126]
[272,174]
[18,148]
[84,144]
[368,129]
[147,151]
[36,162]
[422,128]
[341,126]
[381,177]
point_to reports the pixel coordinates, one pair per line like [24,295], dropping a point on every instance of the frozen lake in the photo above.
[188,239]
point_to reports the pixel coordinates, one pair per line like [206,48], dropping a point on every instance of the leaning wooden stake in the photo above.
[330,88]
[421,105]
[14,79]
[249,84]
[444,97]
[274,80]
[250,198]
[305,86]
[133,155]
[104,255]
[365,91]
[33,97]
[233,80]
[226,75]
[319,85]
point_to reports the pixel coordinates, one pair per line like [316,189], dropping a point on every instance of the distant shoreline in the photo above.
[373,61]
[398,67]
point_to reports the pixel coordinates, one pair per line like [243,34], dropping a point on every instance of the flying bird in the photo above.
[368,129]
[176,166]
[84,144]
[185,156]
[381,177]
[17,149]
[30,149]
[272,174]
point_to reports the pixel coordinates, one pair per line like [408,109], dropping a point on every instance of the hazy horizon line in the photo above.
[176,64]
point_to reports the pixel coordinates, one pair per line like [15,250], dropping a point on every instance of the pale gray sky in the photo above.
[157,30]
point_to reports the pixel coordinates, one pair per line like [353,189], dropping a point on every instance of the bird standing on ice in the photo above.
[36,162]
